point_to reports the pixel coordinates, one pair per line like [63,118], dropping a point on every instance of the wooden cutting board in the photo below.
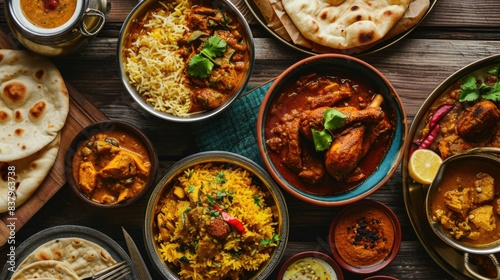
[81,113]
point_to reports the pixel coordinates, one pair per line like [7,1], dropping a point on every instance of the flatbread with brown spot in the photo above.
[20,178]
[45,270]
[34,103]
[81,255]
[345,24]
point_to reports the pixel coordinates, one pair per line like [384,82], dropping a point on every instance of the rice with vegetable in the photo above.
[215,223]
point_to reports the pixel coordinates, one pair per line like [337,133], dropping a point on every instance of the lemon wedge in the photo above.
[423,166]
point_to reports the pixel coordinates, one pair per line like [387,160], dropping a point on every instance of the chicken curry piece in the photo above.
[467,202]
[111,167]
[300,109]
[212,88]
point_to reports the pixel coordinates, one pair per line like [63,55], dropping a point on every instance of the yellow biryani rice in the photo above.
[153,65]
[186,246]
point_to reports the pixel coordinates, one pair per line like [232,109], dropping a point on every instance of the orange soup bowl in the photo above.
[111,164]
[331,129]
[365,237]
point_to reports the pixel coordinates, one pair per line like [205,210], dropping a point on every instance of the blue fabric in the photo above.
[234,130]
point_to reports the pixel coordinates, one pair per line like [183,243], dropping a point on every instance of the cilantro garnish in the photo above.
[471,91]
[267,242]
[333,119]
[202,63]
[221,179]
[256,200]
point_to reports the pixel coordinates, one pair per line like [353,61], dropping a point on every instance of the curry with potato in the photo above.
[327,132]
[111,167]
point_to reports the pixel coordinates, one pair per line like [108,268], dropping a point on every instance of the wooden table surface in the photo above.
[454,34]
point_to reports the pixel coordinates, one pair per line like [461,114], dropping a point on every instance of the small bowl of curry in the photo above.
[365,237]
[111,164]
[310,265]
[331,129]
[185,61]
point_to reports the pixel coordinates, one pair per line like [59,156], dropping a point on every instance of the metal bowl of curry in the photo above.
[111,164]
[365,237]
[331,129]
[185,61]
[216,213]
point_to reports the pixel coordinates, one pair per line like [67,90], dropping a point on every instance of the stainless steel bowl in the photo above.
[139,11]
[486,156]
[275,200]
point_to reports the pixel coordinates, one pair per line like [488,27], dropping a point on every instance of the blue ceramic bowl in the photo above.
[363,72]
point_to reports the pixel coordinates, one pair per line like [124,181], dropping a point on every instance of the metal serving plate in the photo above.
[451,260]
[254,9]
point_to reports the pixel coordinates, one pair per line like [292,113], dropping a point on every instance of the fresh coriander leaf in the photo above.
[190,189]
[256,200]
[322,139]
[494,93]
[199,66]
[215,46]
[334,119]
[221,179]
[210,199]
[470,92]
[493,70]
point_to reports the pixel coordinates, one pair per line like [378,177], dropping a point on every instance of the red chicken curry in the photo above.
[300,109]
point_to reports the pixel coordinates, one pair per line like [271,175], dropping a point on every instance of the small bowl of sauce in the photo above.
[310,265]
[365,237]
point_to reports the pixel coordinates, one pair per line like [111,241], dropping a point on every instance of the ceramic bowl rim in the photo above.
[376,180]
[102,126]
[205,157]
[395,248]
[139,9]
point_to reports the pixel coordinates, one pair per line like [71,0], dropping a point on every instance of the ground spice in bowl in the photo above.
[365,237]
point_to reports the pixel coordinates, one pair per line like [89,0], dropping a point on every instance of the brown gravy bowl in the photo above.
[463,166]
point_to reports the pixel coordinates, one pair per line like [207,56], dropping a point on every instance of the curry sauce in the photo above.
[111,167]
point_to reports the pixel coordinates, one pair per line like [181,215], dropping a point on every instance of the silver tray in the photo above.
[446,257]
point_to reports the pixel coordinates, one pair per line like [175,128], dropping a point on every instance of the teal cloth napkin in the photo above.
[234,130]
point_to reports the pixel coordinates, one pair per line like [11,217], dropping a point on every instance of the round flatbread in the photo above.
[82,256]
[34,103]
[45,270]
[20,178]
[345,24]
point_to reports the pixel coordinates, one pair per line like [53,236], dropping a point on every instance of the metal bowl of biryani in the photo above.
[185,61]
[219,214]
[331,129]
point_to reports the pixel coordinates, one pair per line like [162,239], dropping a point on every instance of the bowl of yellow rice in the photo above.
[216,215]
[185,60]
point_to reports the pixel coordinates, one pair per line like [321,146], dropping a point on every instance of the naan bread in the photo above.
[345,24]
[82,256]
[34,103]
[45,270]
[29,174]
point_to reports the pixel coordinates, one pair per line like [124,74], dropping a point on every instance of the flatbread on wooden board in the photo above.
[34,103]
[28,174]
[277,19]
[82,256]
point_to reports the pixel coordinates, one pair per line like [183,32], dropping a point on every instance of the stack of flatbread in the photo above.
[68,258]
[341,26]
[34,104]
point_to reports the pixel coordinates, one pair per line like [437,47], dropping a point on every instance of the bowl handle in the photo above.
[477,275]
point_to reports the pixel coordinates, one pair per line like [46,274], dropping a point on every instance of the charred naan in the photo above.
[34,103]
[28,174]
[345,24]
